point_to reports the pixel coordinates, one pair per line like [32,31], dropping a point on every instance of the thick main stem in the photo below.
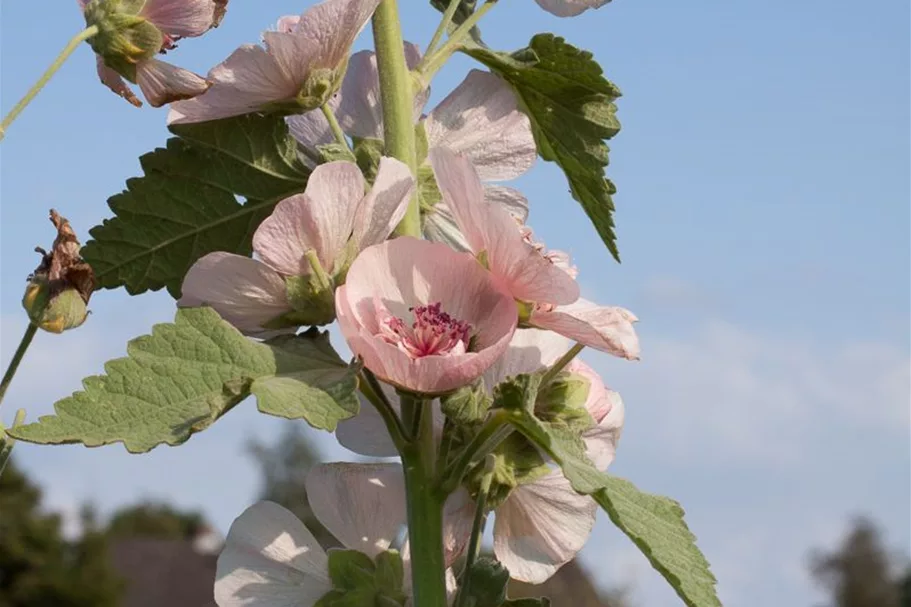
[398,101]
[425,511]
[30,331]
[46,76]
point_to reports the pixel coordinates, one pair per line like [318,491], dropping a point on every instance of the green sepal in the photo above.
[467,405]
[332,152]
[562,403]
[487,583]
[541,601]
[367,154]
[516,462]
[390,575]
[124,36]
[358,581]
[350,569]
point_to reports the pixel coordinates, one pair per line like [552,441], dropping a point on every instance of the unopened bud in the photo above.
[124,37]
[58,291]
[562,402]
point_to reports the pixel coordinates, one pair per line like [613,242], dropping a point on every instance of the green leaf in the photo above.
[656,526]
[186,374]
[186,205]
[350,569]
[467,405]
[487,583]
[571,108]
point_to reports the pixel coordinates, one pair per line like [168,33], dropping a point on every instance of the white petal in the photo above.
[293,53]
[363,505]
[243,291]
[115,82]
[331,27]
[184,18]
[510,199]
[605,328]
[530,350]
[163,83]
[542,526]
[441,226]
[569,8]
[481,120]
[270,560]
[601,441]
[287,23]
[383,208]
[336,189]
[366,433]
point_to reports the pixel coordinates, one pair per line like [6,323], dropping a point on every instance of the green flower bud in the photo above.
[58,291]
[562,402]
[515,462]
[124,37]
[311,295]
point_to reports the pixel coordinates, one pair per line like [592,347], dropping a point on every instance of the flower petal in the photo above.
[270,559]
[247,80]
[163,83]
[361,111]
[486,227]
[115,82]
[363,505]
[481,119]
[605,328]
[510,199]
[530,350]
[440,225]
[542,526]
[366,433]
[311,129]
[383,208]
[569,8]
[287,23]
[606,408]
[184,18]
[245,292]
[331,27]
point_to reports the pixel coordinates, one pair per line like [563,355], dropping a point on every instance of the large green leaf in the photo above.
[571,108]
[187,374]
[656,526]
[186,204]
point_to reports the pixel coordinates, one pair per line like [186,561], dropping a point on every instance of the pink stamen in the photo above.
[433,333]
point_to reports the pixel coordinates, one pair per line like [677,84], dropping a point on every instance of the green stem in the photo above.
[373,392]
[425,510]
[560,364]
[397,100]
[46,76]
[433,62]
[444,24]
[335,126]
[7,441]
[30,331]
[492,433]
[477,529]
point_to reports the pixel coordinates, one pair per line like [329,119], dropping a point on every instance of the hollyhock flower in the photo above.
[128,41]
[422,316]
[480,119]
[299,69]
[569,8]
[543,282]
[312,235]
[270,559]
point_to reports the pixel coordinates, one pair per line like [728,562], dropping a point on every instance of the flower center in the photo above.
[433,332]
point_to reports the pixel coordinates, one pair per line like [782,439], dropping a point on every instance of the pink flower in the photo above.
[300,67]
[422,316]
[159,81]
[544,282]
[569,8]
[331,221]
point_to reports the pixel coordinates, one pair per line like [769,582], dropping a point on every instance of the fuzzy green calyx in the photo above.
[319,87]
[516,462]
[124,37]
[359,581]
[53,312]
[562,402]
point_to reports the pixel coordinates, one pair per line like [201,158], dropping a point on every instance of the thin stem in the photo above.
[477,530]
[46,76]
[335,126]
[444,24]
[373,392]
[445,445]
[433,62]
[492,433]
[7,442]
[398,100]
[425,510]
[560,364]
[26,341]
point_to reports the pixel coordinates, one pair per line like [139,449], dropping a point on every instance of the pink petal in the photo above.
[247,80]
[481,120]
[245,292]
[385,206]
[184,18]
[293,53]
[527,274]
[163,83]
[604,328]
[115,82]
[542,526]
[361,110]
[288,23]
[365,433]
[332,26]
[606,408]
[569,8]
[406,272]
[510,199]
[441,226]
[363,505]
[311,129]
[530,350]
[270,558]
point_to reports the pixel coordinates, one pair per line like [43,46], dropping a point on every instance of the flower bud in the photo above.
[124,37]
[59,289]
[562,402]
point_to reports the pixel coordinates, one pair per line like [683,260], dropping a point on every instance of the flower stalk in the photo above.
[397,97]
[443,26]
[433,61]
[46,76]
[495,430]
[477,530]
[335,126]
[561,363]
[26,341]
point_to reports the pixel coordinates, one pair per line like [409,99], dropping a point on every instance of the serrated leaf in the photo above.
[570,105]
[186,204]
[187,374]
[656,526]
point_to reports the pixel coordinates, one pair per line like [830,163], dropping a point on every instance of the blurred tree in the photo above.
[155,520]
[38,566]
[860,572]
[284,466]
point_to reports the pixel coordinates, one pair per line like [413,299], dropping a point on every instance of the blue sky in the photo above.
[763,218]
